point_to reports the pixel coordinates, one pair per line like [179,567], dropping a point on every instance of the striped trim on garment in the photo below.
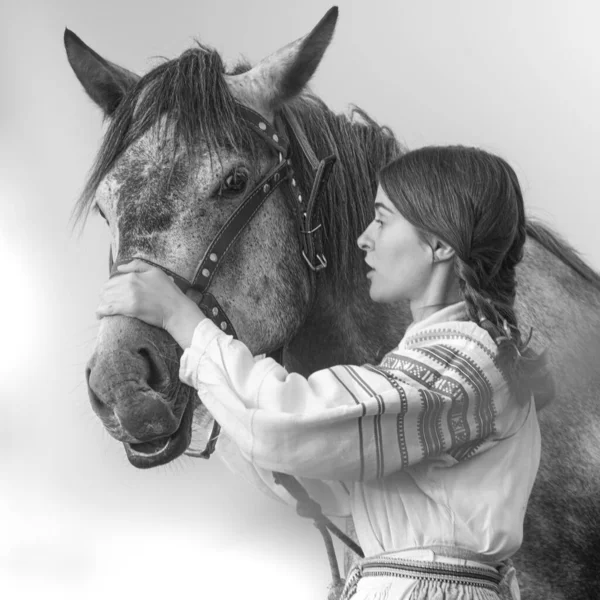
[377,433]
[360,424]
[429,423]
[415,369]
[430,434]
[402,449]
[452,334]
[483,577]
[458,413]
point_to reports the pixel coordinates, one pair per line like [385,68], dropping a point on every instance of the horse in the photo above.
[178,158]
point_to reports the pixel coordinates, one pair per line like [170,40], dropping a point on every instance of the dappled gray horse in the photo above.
[179,156]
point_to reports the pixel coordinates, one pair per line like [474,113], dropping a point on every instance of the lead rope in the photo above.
[306,507]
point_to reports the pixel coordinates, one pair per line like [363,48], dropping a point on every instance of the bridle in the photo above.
[304,209]
[311,239]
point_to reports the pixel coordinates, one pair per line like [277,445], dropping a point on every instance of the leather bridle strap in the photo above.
[311,232]
[234,226]
[245,212]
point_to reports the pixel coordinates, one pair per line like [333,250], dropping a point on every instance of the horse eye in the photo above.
[234,184]
[99,211]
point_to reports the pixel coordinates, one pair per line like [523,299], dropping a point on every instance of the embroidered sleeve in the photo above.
[349,422]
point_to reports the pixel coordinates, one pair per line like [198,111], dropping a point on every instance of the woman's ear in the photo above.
[441,250]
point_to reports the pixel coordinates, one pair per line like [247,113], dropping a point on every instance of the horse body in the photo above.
[562,532]
[165,202]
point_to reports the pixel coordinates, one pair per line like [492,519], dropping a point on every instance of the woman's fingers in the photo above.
[135,266]
[105,309]
[142,291]
[117,296]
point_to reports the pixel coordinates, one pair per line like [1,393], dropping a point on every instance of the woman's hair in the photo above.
[472,200]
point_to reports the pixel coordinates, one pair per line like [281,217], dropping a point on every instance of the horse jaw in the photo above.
[284,74]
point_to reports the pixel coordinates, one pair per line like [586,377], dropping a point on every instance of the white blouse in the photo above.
[429,448]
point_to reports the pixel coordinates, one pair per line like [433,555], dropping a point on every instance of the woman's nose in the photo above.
[364,243]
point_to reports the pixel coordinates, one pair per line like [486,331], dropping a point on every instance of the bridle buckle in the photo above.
[316,268]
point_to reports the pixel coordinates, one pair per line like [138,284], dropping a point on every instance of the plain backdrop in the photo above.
[519,78]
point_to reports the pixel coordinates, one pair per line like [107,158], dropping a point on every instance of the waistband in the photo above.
[452,565]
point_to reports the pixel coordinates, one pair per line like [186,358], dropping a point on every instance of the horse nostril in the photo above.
[158,376]
[99,407]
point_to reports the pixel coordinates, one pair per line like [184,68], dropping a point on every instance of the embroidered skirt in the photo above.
[422,574]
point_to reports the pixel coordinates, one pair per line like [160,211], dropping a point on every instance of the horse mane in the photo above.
[362,148]
[555,244]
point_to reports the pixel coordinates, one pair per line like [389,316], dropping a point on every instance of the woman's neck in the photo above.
[442,291]
[419,313]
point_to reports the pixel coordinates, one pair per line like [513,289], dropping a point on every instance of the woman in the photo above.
[433,452]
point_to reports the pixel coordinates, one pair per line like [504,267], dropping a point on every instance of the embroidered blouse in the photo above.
[429,448]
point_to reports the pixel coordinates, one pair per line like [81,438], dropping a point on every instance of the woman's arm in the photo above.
[346,422]
[444,394]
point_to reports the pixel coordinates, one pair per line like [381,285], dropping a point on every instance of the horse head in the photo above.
[176,162]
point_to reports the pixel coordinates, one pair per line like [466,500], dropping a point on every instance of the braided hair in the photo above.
[472,200]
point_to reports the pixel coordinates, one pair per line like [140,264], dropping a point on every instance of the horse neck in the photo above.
[344,326]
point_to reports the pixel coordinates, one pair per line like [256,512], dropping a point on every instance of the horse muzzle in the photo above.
[134,388]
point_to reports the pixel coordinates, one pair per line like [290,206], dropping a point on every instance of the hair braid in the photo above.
[490,302]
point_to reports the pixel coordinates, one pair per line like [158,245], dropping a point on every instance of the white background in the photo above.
[520,78]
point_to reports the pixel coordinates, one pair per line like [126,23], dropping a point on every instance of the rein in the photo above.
[311,240]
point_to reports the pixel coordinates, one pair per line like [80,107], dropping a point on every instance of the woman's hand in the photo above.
[149,294]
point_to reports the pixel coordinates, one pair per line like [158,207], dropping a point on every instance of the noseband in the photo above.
[304,209]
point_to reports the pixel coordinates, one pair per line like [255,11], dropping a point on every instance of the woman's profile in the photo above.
[434,451]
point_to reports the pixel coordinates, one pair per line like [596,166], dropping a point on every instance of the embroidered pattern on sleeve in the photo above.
[415,369]
[447,408]
[429,424]
[443,395]
[465,451]
[454,360]
[452,334]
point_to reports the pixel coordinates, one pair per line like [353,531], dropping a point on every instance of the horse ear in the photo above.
[284,74]
[104,82]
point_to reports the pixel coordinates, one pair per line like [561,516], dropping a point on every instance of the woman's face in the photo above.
[400,261]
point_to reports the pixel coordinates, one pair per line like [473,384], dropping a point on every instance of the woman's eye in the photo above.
[234,184]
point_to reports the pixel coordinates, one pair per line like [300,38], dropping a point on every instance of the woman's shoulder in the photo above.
[455,345]
[454,333]
[459,350]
